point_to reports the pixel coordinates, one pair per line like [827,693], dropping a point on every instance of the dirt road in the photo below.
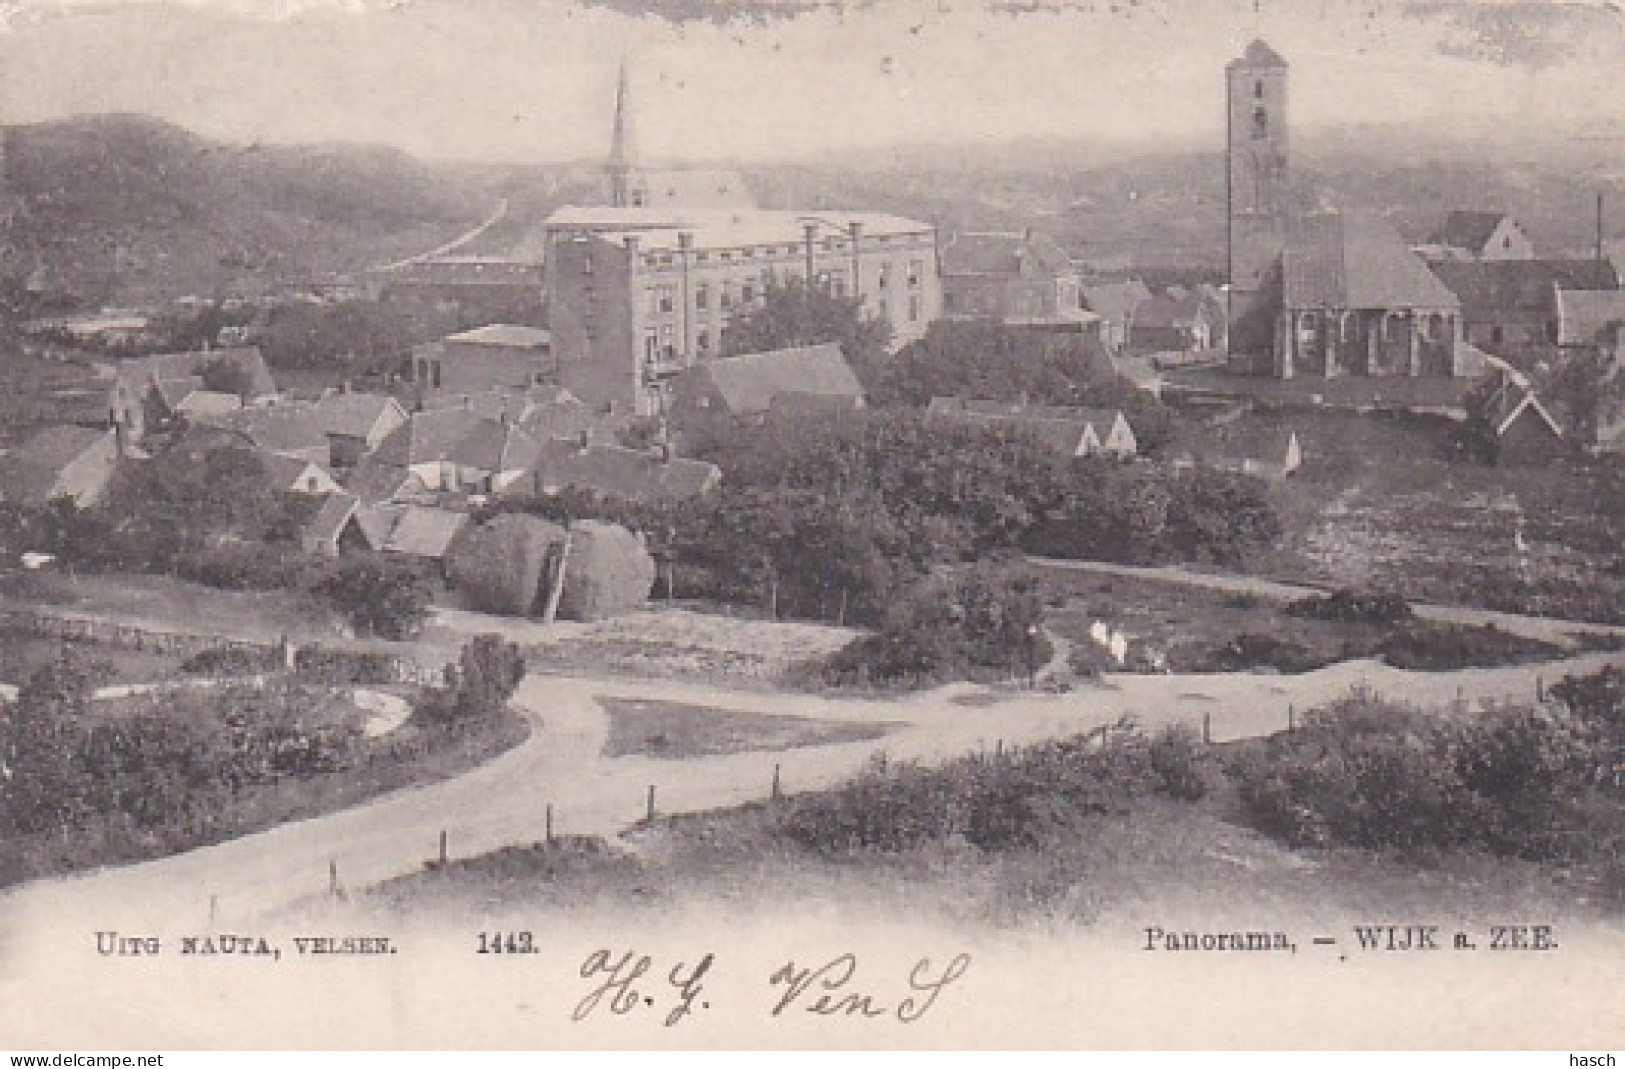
[505,801]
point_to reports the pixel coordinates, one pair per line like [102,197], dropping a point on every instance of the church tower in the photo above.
[1256,161]
[622,152]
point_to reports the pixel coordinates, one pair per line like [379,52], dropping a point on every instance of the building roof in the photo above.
[331,519]
[291,428]
[1514,399]
[1584,316]
[517,405]
[1016,255]
[505,335]
[1355,261]
[174,391]
[495,446]
[692,187]
[29,472]
[285,472]
[1116,302]
[1489,289]
[199,402]
[1468,229]
[657,228]
[427,436]
[1064,427]
[420,531]
[374,480]
[612,470]
[1259,54]
[749,383]
[354,415]
[1241,440]
[164,366]
[1169,310]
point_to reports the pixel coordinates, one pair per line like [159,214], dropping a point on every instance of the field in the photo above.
[675,730]
[1194,629]
[21,654]
[40,392]
[1390,503]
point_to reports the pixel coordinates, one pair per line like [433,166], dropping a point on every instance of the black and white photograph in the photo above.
[812,524]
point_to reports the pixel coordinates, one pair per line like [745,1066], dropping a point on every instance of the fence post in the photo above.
[998,748]
[442,846]
[1540,688]
[1291,717]
[214,908]
[651,807]
[549,830]
[1207,729]
[333,878]
[777,792]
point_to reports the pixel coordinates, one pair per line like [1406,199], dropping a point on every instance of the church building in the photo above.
[1315,293]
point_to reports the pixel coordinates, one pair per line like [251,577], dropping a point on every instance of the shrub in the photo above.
[232,661]
[1352,607]
[478,687]
[1248,651]
[1442,648]
[379,595]
[1370,774]
[1180,761]
[344,667]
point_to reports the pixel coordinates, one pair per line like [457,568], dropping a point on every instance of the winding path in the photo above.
[505,801]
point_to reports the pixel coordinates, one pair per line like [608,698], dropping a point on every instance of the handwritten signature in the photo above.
[626,982]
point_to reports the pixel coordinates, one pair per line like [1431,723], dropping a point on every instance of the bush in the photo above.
[232,661]
[1249,651]
[247,566]
[478,687]
[993,803]
[1180,761]
[1443,648]
[344,667]
[1370,774]
[1352,607]
[379,595]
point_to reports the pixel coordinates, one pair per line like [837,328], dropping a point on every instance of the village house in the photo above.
[1509,307]
[502,356]
[356,423]
[286,430]
[1237,440]
[652,477]
[1076,432]
[752,384]
[1521,429]
[450,450]
[151,390]
[64,462]
[1021,279]
[1479,235]
[298,475]
[1178,320]
[1116,304]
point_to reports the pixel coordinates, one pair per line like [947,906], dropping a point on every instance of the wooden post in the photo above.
[651,806]
[549,838]
[214,907]
[1291,718]
[1540,688]
[442,846]
[333,878]
[998,748]
[777,791]
[1207,728]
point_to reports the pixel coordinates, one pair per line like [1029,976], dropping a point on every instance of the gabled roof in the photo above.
[375,481]
[1064,428]
[1468,229]
[331,519]
[616,471]
[1584,316]
[1259,54]
[208,401]
[1512,399]
[1169,310]
[175,391]
[1116,302]
[1242,440]
[1006,254]
[355,415]
[29,472]
[1355,261]
[749,383]
[286,472]
[419,531]
[505,335]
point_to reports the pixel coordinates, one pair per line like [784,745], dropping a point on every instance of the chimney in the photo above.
[808,232]
[665,452]
[685,240]
[631,242]
[344,387]
[583,440]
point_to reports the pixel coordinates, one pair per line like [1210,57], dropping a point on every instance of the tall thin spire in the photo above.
[622,152]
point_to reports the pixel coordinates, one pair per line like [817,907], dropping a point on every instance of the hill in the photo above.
[125,209]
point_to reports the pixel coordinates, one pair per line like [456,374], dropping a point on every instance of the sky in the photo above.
[533,80]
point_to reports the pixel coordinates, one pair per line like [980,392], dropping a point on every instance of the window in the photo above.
[839,286]
[651,346]
[1261,124]
[1258,90]
[434,374]
[586,264]
[667,299]
[702,295]
[703,343]
[885,309]
[885,276]
[914,308]
[727,296]
[916,268]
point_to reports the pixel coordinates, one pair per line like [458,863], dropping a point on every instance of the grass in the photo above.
[1198,630]
[674,730]
[1159,859]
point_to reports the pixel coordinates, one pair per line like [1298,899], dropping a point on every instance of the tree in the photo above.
[379,595]
[223,375]
[795,313]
